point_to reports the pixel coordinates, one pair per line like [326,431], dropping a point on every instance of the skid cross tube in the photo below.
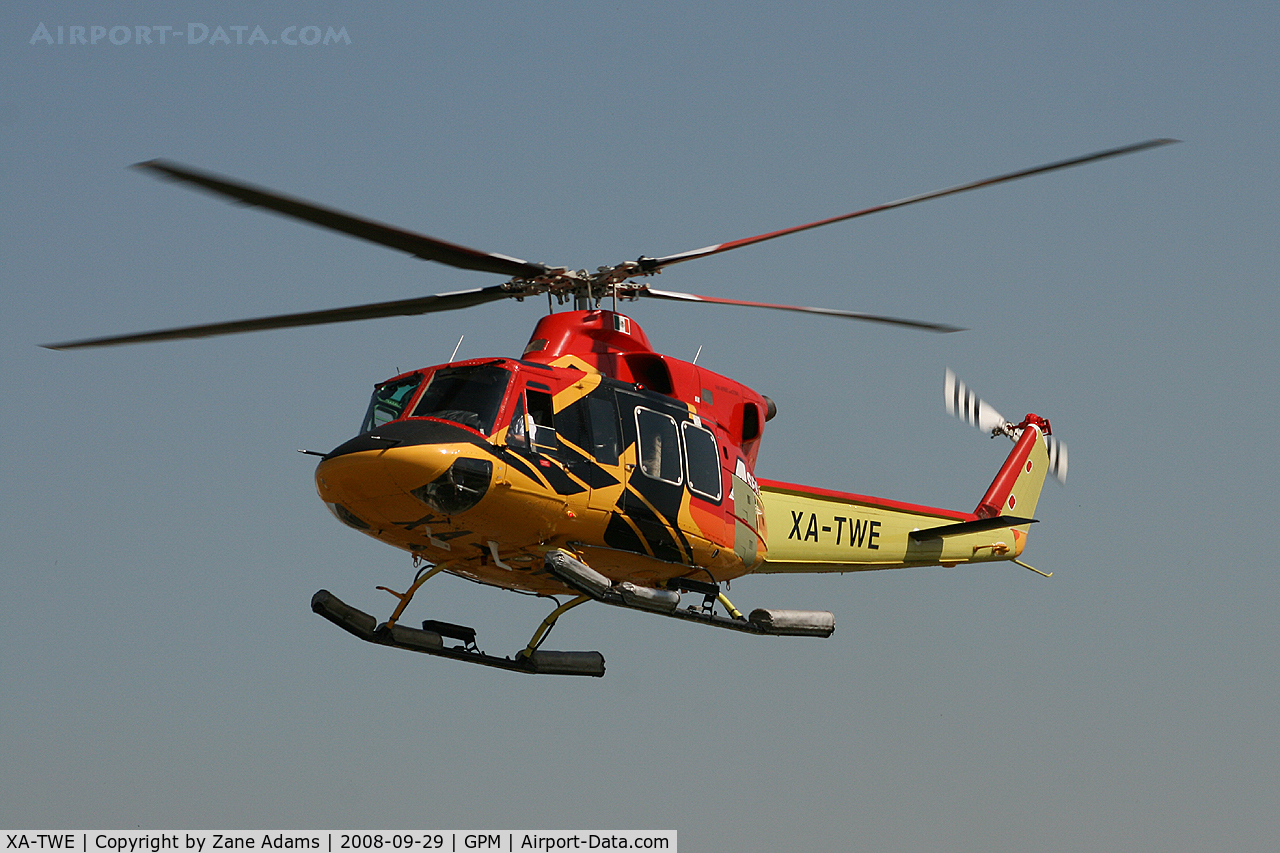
[547,624]
[406,596]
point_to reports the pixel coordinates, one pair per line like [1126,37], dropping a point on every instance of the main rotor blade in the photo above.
[658,263]
[418,245]
[833,312]
[406,307]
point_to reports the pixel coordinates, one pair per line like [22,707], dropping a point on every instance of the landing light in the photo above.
[347,517]
[459,488]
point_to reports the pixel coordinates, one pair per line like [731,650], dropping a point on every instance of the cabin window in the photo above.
[702,461]
[573,426]
[465,395]
[658,443]
[606,444]
[389,401]
[591,425]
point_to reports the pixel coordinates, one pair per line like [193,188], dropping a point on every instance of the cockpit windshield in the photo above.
[469,396]
[389,400]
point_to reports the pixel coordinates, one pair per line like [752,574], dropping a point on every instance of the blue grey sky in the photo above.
[162,537]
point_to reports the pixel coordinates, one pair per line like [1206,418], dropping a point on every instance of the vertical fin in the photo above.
[1016,487]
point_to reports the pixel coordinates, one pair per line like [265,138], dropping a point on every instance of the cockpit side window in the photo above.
[389,401]
[469,396]
[542,424]
[533,422]
[518,432]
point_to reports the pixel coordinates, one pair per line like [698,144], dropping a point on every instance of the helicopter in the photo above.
[593,468]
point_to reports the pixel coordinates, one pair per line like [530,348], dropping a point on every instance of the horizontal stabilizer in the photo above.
[975,526]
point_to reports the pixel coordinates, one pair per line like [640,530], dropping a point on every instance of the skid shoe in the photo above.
[430,640]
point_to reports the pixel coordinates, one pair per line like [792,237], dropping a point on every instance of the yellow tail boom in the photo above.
[817,530]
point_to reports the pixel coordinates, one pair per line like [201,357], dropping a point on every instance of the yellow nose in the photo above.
[381,487]
[395,459]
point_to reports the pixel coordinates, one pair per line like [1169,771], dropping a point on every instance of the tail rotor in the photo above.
[964,404]
[1057,458]
[970,408]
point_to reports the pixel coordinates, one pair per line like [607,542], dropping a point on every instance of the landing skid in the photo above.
[778,623]
[431,642]
[591,586]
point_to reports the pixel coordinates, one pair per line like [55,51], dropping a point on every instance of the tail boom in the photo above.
[817,530]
